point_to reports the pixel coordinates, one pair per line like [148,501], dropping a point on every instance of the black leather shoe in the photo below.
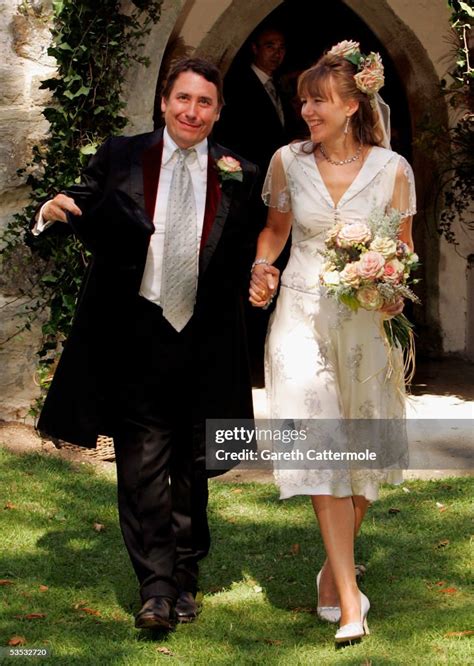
[186,608]
[156,613]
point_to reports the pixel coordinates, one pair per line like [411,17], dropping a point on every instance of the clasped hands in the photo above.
[263,284]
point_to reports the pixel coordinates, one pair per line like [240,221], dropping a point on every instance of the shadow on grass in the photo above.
[259,581]
[405,538]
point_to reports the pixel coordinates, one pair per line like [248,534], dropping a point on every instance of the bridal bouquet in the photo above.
[367,266]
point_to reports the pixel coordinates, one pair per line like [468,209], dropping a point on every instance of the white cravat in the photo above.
[151,282]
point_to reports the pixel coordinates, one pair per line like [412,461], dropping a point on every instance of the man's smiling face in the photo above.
[191,109]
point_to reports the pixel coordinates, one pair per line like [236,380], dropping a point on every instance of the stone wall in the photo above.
[24,34]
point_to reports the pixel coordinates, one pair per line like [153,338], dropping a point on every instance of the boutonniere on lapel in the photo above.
[228,168]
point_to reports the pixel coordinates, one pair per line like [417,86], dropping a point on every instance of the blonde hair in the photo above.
[333,72]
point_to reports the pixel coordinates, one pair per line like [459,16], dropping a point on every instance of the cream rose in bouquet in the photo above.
[367,266]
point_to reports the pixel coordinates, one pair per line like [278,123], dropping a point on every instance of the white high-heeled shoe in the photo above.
[327,613]
[355,630]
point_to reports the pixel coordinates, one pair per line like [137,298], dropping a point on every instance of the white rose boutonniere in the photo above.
[229,168]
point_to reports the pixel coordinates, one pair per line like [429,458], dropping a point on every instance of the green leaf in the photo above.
[83,90]
[91,149]
[49,279]
[72,77]
[64,47]
[354,58]
[58,6]
[350,301]
[469,10]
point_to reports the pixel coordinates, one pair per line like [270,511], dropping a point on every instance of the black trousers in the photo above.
[162,481]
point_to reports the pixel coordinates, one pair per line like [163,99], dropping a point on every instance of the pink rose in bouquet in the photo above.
[371,265]
[393,271]
[353,234]
[367,266]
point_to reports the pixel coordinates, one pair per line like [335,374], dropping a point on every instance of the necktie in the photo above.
[179,277]
[272,91]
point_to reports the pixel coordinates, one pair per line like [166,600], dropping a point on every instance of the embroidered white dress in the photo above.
[323,361]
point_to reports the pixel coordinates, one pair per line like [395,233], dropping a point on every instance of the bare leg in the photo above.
[328,594]
[337,521]
[360,509]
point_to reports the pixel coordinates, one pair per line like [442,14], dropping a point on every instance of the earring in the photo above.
[346,128]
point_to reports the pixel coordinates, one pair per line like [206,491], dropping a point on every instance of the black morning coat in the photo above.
[117,196]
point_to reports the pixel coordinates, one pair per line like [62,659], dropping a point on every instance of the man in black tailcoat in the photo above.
[139,366]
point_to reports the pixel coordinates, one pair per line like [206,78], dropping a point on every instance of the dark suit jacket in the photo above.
[249,122]
[117,196]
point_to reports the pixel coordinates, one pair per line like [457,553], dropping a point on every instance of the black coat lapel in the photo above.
[137,176]
[227,189]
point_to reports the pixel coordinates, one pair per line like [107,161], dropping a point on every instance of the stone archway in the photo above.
[223,27]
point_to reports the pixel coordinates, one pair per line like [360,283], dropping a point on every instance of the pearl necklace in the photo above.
[340,162]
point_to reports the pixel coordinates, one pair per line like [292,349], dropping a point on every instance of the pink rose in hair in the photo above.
[345,48]
[371,77]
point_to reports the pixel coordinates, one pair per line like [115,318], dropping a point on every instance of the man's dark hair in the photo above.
[199,66]
[261,30]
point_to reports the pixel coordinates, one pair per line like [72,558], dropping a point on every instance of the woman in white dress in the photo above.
[322,359]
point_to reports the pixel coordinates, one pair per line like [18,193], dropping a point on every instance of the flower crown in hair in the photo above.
[369,78]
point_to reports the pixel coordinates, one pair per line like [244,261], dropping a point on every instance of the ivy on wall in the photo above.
[94,43]
[454,184]
[458,188]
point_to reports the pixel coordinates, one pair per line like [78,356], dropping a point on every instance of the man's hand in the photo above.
[263,284]
[393,309]
[56,208]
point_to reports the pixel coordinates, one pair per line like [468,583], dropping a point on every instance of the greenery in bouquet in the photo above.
[367,266]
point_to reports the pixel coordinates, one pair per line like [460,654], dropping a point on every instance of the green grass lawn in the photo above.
[258,582]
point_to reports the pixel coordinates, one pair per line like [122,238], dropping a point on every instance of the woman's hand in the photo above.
[393,308]
[263,284]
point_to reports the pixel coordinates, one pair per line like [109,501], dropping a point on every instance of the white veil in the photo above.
[383,111]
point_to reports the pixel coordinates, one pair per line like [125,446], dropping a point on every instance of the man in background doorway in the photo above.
[256,120]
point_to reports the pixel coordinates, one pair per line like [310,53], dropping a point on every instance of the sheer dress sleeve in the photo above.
[404,194]
[276,191]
